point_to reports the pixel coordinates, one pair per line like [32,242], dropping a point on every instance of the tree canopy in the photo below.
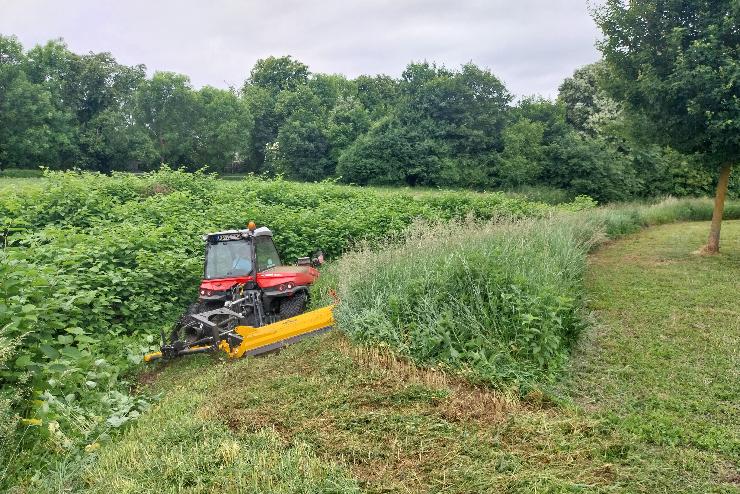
[431,126]
[676,63]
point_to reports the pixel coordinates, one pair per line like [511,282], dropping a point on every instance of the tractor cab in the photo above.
[241,256]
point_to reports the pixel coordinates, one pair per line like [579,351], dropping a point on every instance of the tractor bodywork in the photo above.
[242,257]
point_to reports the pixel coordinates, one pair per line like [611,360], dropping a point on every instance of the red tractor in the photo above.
[244,284]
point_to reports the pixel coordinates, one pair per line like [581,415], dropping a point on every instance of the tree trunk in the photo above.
[712,246]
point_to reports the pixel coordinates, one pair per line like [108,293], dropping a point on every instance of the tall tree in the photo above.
[521,161]
[677,62]
[223,127]
[166,108]
[379,94]
[33,131]
[347,121]
[278,74]
[301,149]
[267,80]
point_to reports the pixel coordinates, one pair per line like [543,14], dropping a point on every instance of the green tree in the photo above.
[33,131]
[467,109]
[521,161]
[301,149]
[379,94]
[278,74]
[591,166]
[108,138]
[267,80]
[391,154]
[677,62]
[347,121]
[166,108]
[223,129]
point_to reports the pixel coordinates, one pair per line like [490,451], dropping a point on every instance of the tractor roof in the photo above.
[259,232]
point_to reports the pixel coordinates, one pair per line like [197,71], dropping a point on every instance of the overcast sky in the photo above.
[530,44]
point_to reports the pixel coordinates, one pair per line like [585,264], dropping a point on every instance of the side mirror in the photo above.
[303,261]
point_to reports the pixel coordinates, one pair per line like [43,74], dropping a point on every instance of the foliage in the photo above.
[433,126]
[97,266]
[396,428]
[677,65]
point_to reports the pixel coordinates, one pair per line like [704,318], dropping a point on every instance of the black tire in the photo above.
[293,306]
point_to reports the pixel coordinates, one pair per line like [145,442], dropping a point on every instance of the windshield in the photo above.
[228,259]
[267,256]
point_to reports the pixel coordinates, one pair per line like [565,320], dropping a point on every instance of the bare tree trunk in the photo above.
[712,246]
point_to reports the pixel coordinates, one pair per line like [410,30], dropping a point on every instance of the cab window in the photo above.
[267,256]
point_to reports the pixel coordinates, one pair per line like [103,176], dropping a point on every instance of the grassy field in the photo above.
[8,185]
[650,403]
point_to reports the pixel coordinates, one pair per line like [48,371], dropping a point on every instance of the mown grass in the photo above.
[662,364]
[649,403]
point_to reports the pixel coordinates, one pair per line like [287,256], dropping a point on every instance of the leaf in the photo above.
[65,339]
[48,351]
[116,421]
[71,351]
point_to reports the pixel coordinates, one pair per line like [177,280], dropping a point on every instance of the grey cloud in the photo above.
[531,44]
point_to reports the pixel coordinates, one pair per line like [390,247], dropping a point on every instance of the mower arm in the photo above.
[254,341]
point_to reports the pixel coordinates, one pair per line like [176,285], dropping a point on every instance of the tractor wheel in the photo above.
[292,306]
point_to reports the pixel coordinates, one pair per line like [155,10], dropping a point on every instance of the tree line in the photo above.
[432,126]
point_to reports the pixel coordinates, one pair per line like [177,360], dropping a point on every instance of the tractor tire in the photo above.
[293,306]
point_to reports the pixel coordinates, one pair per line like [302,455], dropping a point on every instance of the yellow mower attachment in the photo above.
[280,334]
[255,341]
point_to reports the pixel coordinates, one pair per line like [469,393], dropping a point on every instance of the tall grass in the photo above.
[621,219]
[499,301]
